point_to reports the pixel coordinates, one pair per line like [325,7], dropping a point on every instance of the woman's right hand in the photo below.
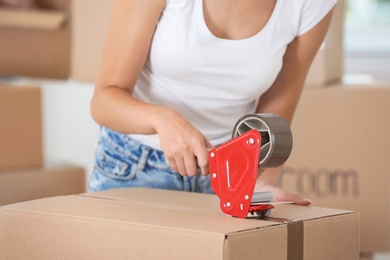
[184,146]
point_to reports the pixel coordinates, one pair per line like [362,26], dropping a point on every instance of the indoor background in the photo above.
[70,135]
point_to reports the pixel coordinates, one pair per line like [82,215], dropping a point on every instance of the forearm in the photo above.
[117,109]
[269,176]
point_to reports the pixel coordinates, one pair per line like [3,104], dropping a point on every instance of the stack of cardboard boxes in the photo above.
[35,42]
[23,174]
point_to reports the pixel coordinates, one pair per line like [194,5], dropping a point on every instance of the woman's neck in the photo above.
[237,19]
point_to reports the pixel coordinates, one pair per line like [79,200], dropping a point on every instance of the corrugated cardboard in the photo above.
[17,185]
[20,126]
[160,224]
[35,43]
[89,29]
[327,66]
[341,156]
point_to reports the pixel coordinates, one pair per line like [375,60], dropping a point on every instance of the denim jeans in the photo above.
[121,161]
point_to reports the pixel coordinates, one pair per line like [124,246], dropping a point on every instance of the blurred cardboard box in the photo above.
[36,42]
[23,184]
[89,29]
[20,126]
[341,153]
[327,66]
[366,256]
[161,224]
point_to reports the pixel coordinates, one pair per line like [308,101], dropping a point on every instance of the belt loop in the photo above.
[143,157]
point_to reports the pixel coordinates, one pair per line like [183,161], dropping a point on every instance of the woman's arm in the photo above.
[129,38]
[128,41]
[283,96]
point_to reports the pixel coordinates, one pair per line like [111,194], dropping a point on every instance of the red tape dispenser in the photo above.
[234,166]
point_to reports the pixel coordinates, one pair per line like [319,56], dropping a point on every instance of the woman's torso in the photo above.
[213,81]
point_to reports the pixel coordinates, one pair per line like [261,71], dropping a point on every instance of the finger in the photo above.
[302,201]
[296,199]
[202,158]
[204,169]
[203,163]
[208,144]
[181,167]
[191,165]
[171,163]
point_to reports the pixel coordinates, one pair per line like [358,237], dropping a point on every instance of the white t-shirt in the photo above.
[211,81]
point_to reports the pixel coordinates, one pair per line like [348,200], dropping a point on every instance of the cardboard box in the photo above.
[20,126]
[160,224]
[327,66]
[35,42]
[17,185]
[89,30]
[341,153]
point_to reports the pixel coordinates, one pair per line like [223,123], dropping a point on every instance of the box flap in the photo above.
[291,212]
[158,215]
[156,196]
[206,202]
[34,19]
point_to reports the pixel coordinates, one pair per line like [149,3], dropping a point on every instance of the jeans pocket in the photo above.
[113,167]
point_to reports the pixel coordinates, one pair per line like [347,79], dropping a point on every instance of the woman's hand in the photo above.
[281,195]
[267,182]
[184,146]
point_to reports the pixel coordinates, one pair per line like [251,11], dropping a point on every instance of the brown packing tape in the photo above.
[295,235]
[295,240]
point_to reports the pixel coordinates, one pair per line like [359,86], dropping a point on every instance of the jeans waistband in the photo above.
[131,148]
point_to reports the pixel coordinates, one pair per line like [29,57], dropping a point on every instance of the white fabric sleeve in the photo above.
[313,12]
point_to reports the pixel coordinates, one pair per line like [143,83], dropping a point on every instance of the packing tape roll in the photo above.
[276,143]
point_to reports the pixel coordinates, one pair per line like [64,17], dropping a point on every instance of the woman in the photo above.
[177,74]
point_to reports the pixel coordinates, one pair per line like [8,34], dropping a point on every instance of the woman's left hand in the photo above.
[281,195]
